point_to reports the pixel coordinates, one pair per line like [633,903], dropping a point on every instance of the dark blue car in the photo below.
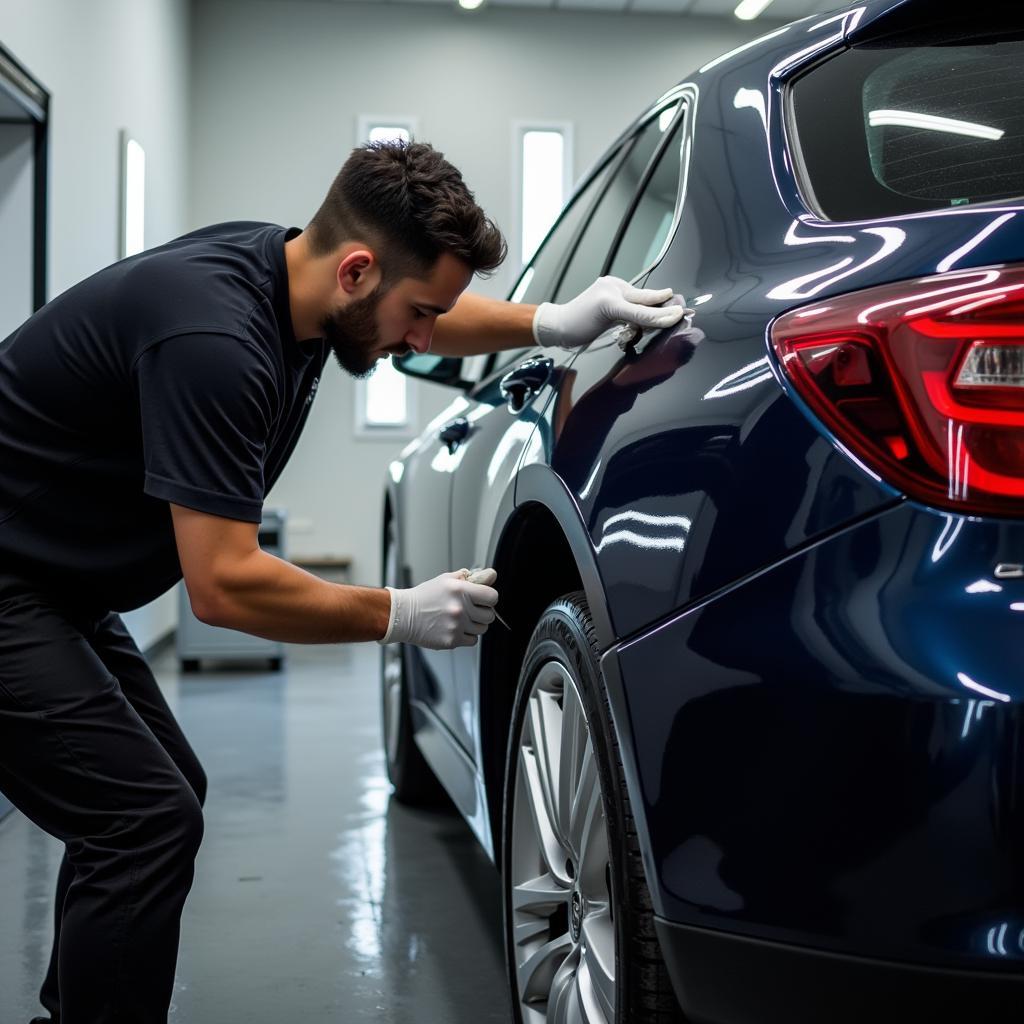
[752,749]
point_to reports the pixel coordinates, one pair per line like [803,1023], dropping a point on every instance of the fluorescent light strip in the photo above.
[930,122]
[748,10]
[134,198]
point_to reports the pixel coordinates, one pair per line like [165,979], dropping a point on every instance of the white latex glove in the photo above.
[608,301]
[445,612]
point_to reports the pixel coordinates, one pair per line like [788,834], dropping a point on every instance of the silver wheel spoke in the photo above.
[545,720]
[563,991]
[530,929]
[587,834]
[580,814]
[541,896]
[559,862]
[550,848]
[533,903]
[537,973]
[541,757]
[573,747]
[597,968]
[392,660]
[392,701]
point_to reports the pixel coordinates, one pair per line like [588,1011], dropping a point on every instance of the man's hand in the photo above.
[608,301]
[445,612]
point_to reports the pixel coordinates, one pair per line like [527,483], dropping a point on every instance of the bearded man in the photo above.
[145,413]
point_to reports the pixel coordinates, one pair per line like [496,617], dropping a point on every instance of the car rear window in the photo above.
[896,130]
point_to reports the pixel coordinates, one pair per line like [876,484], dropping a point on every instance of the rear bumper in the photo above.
[729,979]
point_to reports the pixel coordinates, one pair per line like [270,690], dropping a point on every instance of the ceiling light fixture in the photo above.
[748,10]
[470,5]
[931,122]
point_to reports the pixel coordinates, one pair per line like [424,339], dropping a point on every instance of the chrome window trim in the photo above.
[688,92]
[791,139]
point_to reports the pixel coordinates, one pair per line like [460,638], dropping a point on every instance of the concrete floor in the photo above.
[317,897]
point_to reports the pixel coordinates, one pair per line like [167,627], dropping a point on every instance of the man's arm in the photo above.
[476,325]
[231,582]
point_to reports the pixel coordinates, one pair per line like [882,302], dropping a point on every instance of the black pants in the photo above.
[90,752]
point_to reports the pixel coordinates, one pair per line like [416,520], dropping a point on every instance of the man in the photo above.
[144,414]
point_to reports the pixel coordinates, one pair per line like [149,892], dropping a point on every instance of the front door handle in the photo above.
[454,433]
[518,386]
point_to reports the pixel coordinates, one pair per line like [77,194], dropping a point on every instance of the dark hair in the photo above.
[411,205]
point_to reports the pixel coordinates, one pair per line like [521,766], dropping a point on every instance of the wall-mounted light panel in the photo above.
[385,403]
[385,127]
[542,179]
[133,196]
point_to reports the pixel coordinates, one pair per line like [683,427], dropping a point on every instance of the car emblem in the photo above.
[576,917]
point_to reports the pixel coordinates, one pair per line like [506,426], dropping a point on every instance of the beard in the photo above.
[352,334]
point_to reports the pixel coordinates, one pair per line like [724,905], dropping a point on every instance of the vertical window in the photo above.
[133,196]
[538,279]
[597,237]
[384,128]
[651,221]
[385,401]
[543,180]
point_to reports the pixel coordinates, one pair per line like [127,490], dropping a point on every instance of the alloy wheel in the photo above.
[561,907]
[391,658]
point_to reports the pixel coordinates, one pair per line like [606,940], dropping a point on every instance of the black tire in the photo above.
[189,664]
[413,780]
[565,640]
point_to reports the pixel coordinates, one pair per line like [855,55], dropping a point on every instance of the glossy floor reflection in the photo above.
[316,896]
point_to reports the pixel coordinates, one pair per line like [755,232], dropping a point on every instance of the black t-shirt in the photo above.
[171,376]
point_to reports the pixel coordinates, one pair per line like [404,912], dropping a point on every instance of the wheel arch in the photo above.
[391,511]
[540,552]
[386,516]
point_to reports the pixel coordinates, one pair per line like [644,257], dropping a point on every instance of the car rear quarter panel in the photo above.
[832,750]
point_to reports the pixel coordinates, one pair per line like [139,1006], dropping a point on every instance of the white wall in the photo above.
[108,64]
[277,88]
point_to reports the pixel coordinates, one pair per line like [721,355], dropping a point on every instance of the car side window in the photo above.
[592,249]
[536,284]
[652,217]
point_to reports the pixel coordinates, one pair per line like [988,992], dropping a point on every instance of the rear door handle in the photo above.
[454,433]
[518,386]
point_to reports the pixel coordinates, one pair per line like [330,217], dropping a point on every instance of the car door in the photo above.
[636,517]
[570,260]
[484,459]
[425,552]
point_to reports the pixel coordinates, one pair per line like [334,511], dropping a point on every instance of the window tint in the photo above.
[888,131]
[588,259]
[652,218]
[538,279]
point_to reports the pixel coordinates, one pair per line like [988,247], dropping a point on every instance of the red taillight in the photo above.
[923,381]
